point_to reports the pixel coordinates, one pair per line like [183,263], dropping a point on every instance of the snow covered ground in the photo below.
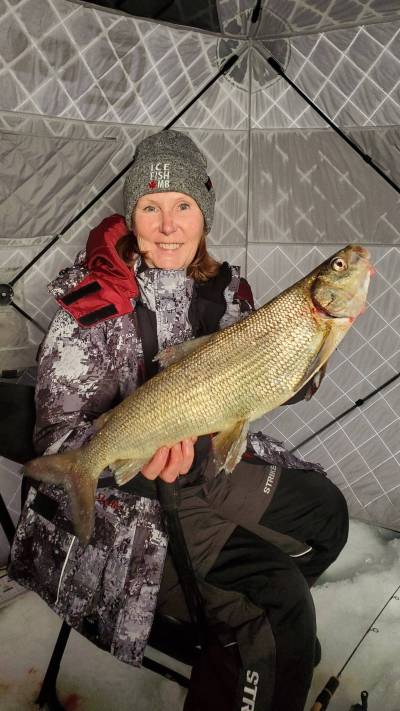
[347,600]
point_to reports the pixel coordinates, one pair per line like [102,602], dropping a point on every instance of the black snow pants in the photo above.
[258,539]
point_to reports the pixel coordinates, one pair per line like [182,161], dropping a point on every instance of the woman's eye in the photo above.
[184,206]
[149,208]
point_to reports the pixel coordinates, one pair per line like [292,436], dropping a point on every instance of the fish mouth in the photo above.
[361,251]
[322,311]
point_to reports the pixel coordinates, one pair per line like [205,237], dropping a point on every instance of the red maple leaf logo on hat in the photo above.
[152,184]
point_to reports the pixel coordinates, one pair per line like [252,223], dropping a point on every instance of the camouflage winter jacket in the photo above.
[108,590]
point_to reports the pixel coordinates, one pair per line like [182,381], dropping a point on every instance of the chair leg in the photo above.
[6,521]
[48,692]
[166,672]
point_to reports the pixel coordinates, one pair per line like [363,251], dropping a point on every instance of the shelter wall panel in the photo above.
[12,94]
[71,63]
[17,349]
[383,145]
[18,338]
[361,451]
[227,158]
[43,177]
[309,187]
[321,15]
[348,74]
[234,255]
[278,106]
[36,16]
[234,15]
[223,106]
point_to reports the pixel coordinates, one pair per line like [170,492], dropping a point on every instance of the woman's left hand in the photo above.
[170,463]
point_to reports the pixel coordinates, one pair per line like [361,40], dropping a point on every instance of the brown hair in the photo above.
[202,268]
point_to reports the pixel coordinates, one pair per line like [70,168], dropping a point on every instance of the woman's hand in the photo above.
[169,463]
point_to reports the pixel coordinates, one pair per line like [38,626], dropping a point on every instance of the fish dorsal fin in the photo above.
[329,344]
[125,469]
[173,354]
[229,445]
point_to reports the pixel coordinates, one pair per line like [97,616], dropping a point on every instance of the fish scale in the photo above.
[218,383]
[235,389]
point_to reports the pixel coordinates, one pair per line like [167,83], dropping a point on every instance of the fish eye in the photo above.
[339,264]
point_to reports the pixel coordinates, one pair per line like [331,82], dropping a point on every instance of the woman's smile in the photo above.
[168,228]
[169,245]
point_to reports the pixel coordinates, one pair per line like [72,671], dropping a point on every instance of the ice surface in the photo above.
[347,599]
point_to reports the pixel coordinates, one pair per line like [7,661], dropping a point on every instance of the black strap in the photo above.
[208,304]
[146,326]
[169,494]
[169,497]
[47,507]
[77,294]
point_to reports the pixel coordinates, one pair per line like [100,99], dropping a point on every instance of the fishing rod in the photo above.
[322,701]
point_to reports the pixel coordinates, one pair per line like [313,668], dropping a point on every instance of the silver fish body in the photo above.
[219,383]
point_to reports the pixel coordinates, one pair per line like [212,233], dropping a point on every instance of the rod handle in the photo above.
[323,699]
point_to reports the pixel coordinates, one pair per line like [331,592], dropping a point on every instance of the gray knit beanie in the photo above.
[169,161]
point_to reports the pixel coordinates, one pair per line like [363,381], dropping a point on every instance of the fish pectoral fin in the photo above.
[125,469]
[316,381]
[328,346]
[229,445]
[173,354]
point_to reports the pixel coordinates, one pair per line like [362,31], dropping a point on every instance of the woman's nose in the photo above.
[167,222]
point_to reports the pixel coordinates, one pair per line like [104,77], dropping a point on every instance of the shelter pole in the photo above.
[256,11]
[358,403]
[367,158]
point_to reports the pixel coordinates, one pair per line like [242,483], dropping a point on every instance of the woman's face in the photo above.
[168,228]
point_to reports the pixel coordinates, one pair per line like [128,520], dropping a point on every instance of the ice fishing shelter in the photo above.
[82,83]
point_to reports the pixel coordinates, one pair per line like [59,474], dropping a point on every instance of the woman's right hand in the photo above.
[169,463]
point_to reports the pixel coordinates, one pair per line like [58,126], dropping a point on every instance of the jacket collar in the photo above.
[108,285]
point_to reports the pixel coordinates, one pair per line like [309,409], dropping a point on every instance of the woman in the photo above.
[257,539]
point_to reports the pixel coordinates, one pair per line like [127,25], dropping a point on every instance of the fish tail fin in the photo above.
[52,468]
[66,470]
